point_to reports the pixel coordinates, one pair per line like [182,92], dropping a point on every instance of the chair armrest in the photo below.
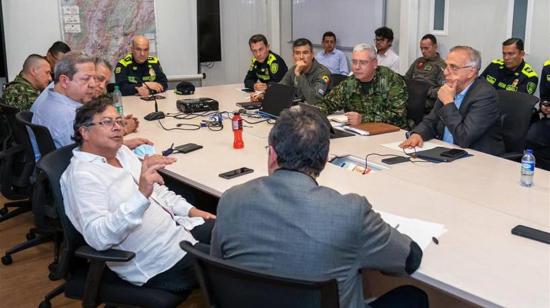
[515,156]
[110,255]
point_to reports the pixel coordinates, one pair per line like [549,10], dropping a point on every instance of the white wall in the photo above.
[239,20]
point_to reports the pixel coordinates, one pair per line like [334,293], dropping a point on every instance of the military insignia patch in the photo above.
[274,67]
[152,72]
[420,64]
[547,77]
[531,87]
[428,67]
[326,79]
[117,70]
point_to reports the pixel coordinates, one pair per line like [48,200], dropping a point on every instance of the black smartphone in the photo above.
[531,233]
[235,173]
[395,160]
[247,90]
[188,147]
[454,153]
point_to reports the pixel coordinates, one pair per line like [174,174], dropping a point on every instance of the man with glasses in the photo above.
[373,94]
[310,78]
[512,73]
[74,84]
[384,53]
[466,112]
[116,201]
[138,73]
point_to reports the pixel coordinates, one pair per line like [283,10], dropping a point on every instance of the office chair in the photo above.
[227,285]
[517,109]
[16,167]
[335,80]
[417,101]
[538,139]
[82,267]
[47,227]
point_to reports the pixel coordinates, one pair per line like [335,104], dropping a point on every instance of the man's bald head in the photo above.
[36,70]
[140,48]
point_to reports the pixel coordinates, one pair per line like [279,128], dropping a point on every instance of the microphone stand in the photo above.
[156,115]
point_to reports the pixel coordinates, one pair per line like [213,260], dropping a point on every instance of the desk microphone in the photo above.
[156,115]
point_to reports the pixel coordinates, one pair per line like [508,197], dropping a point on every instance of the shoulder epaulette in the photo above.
[528,71]
[498,61]
[152,60]
[547,62]
[271,58]
[127,60]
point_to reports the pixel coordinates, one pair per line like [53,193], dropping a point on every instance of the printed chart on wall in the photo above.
[106,27]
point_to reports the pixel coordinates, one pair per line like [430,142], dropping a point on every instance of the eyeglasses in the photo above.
[454,68]
[107,122]
[360,62]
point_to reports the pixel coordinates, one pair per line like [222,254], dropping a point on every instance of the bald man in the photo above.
[25,88]
[138,73]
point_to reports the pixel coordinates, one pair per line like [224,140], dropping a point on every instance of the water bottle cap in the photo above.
[529,151]
[117,88]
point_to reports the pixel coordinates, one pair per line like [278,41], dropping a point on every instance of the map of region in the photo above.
[106,27]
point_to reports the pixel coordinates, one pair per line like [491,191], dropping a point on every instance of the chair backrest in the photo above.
[335,79]
[51,167]
[9,112]
[416,103]
[227,285]
[41,133]
[6,137]
[517,109]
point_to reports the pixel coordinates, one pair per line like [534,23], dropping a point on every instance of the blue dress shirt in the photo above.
[335,61]
[447,136]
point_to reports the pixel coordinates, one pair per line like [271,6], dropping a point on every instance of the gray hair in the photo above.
[367,47]
[67,65]
[101,61]
[473,55]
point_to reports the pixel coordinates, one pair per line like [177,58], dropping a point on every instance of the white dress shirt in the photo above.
[389,59]
[104,204]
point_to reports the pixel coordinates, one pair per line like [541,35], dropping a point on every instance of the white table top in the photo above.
[478,199]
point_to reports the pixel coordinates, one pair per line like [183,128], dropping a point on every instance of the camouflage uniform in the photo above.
[385,101]
[20,93]
[311,85]
[129,74]
[522,79]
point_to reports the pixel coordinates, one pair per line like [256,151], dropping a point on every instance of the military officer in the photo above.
[266,66]
[310,78]
[27,85]
[511,73]
[139,73]
[373,94]
[545,81]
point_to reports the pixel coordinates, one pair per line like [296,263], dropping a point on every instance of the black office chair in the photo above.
[538,139]
[517,109]
[83,267]
[16,167]
[335,80]
[47,228]
[227,285]
[416,103]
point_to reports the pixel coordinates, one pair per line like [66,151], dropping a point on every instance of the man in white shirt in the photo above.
[116,201]
[384,54]
[334,59]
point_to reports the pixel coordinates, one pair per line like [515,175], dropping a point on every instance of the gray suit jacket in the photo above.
[475,125]
[288,225]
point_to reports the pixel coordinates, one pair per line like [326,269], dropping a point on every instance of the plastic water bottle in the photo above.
[527,168]
[117,101]
[237,125]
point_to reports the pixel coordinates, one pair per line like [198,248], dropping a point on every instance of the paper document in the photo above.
[420,231]
[395,146]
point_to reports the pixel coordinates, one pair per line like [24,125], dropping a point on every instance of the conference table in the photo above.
[479,198]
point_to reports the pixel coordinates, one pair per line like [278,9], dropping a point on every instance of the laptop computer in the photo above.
[277,98]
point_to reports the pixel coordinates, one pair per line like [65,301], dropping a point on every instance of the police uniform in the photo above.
[312,85]
[383,99]
[129,74]
[20,93]
[271,70]
[522,79]
[545,81]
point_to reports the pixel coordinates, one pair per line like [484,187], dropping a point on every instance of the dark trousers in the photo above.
[181,278]
[403,297]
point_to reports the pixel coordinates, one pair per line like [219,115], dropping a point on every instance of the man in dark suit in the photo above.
[287,224]
[466,112]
